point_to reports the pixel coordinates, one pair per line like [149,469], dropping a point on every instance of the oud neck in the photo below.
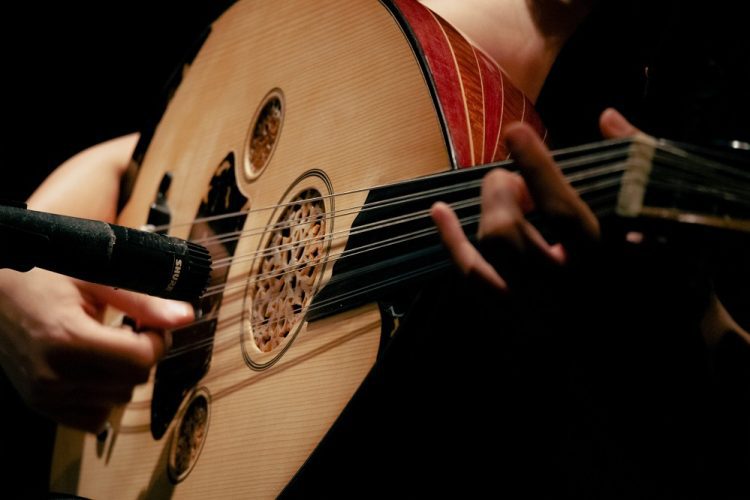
[394,244]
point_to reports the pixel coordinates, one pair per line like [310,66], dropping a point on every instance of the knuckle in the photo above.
[499,179]
[62,335]
[500,224]
[502,188]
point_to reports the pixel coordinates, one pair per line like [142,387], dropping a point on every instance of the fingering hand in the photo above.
[63,361]
[505,234]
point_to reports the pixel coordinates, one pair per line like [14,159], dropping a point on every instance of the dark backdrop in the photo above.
[678,69]
[77,74]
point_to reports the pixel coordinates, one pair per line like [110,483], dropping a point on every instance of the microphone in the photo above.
[103,253]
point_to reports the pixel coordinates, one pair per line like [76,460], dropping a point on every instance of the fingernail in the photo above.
[617,122]
[180,310]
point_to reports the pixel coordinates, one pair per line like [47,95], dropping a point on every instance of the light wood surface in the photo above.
[357,108]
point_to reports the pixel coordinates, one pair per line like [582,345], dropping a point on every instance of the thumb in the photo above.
[147,310]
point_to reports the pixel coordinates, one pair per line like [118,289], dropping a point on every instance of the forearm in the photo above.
[523,36]
[87,185]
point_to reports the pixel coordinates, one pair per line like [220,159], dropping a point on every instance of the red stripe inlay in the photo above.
[492,81]
[489,99]
[439,58]
[473,101]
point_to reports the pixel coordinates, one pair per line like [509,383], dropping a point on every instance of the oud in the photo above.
[303,147]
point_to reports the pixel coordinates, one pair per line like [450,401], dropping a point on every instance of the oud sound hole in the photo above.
[288,270]
[189,438]
[264,134]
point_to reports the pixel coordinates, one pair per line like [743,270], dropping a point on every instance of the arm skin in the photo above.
[87,184]
[63,361]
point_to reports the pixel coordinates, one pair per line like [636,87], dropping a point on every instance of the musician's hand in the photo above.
[53,347]
[59,356]
[505,235]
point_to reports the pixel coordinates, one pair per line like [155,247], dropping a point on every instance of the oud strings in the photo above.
[602,187]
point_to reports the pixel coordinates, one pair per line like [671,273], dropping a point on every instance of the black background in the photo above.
[76,74]
[79,73]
